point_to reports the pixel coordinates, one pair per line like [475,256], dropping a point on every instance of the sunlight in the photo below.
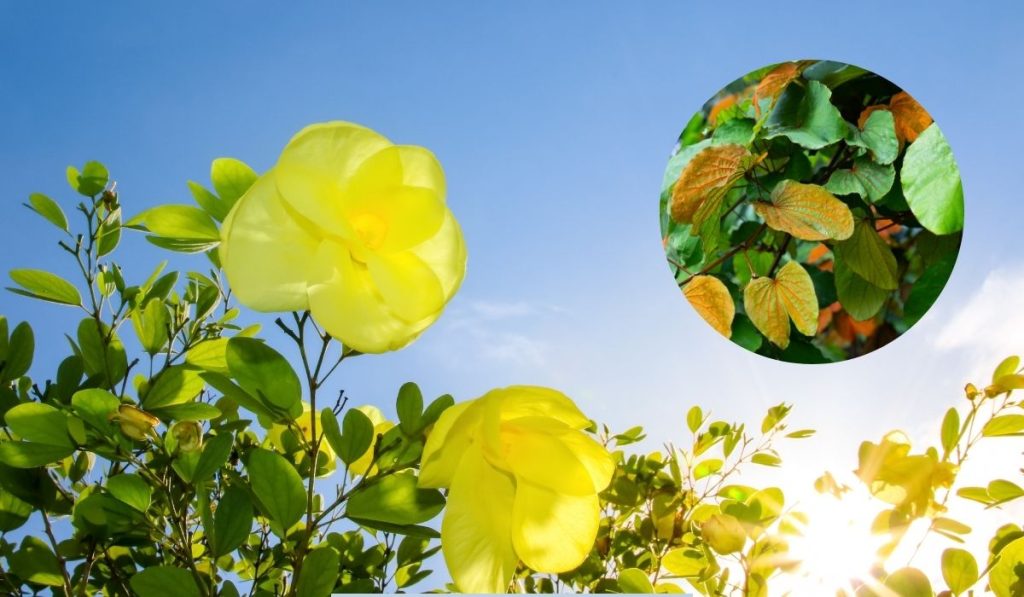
[837,549]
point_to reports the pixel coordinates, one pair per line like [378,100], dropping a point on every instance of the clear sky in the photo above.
[553,122]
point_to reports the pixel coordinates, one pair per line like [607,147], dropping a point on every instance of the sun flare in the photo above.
[836,548]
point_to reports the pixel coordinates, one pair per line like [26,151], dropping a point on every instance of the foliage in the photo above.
[186,451]
[826,169]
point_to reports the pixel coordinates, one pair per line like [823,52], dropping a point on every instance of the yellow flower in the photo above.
[352,228]
[135,422]
[361,466]
[189,435]
[523,481]
[290,445]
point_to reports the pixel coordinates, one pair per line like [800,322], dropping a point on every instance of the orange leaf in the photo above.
[819,251]
[704,181]
[712,301]
[726,102]
[774,82]
[807,211]
[771,304]
[863,118]
[910,117]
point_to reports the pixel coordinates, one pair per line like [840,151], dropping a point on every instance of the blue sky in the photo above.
[553,123]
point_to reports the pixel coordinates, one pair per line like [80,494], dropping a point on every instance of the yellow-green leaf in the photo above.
[771,304]
[807,211]
[868,256]
[712,301]
[705,181]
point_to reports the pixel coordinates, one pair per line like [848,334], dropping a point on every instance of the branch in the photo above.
[740,247]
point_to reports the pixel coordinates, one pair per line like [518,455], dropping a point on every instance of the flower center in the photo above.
[371,229]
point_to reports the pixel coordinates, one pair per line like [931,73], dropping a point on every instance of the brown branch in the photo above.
[740,247]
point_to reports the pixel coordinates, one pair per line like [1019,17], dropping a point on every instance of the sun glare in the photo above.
[836,548]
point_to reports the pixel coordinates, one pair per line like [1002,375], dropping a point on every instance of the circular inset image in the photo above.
[812,211]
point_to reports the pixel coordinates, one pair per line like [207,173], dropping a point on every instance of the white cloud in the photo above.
[988,327]
[497,333]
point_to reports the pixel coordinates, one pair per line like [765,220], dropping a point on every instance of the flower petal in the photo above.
[552,455]
[408,286]
[537,401]
[535,442]
[265,252]
[345,301]
[553,532]
[445,254]
[318,162]
[403,187]
[476,533]
[448,441]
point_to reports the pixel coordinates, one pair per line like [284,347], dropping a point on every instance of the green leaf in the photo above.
[395,499]
[94,406]
[45,286]
[108,361]
[634,580]
[355,438]
[868,255]
[931,183]
[32,454]
[132,490]
[879,136]
[179,222]
[232,521]
[1004,425]
[1007,366]
[765,459]
[909,582]
[739,131]
[806,116]
[263,372]
[210,203]
[869,180]
[109,234]
[410,407]
[174,385]
[209,355]
[279,488]
[927,288]
[215,454]
[950,430]
[164,581]
[707,468]
[231,178]
[37,422]
[1005,578]
[188,411]
[20,350]
[1001,490]
[90,181]
[694,419]
[435,409]
[319,573]
[14,511]
[225,386]
[861,299]
[48,208]
[34,562]
[685,561]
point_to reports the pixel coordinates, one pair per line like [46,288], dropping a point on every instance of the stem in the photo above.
[60,559]
[740,247]
[779,254]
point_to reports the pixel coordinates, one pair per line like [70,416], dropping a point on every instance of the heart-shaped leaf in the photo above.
[705,180]
[866,178]
[868,255]
[773,83]
[807,211]
[771,304]
[931,183]
[712,301]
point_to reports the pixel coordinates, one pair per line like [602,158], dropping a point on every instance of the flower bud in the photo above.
[971,391]
[135,422]
[723,533]
[189,435]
